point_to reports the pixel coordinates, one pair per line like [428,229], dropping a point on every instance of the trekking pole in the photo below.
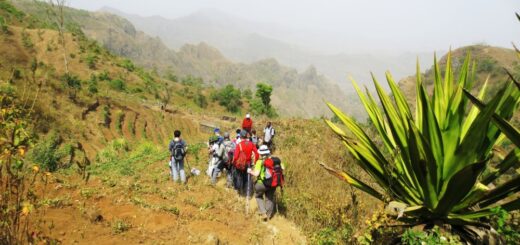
[248,192]
[187,165]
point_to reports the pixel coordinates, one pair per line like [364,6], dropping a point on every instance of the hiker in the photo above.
[269,173]
[216,131]
[211,159]
[229,150]
[247,123]
[268,135]
[237,139]
[254,138]
[178,149]
[245,155]
[218,159]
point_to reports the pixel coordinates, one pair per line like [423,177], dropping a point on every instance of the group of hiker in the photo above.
[244,158]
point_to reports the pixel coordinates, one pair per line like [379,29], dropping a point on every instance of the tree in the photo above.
[229,97]
[262,103]
[263,92]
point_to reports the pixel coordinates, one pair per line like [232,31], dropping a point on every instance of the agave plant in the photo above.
[436,163]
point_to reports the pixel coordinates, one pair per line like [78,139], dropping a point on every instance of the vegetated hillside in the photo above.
[489,62]
[295,94]
[112,110]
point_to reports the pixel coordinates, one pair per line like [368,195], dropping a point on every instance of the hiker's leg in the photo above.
[240,182]
[172,166]
[259,195]
[269,201]
[214,174]
[181,171]
[175,170]
[229,177]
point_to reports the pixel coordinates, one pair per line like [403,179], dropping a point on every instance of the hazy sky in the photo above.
[413,25]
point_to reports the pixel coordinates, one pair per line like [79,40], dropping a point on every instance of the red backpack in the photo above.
[273,172]
[241,163]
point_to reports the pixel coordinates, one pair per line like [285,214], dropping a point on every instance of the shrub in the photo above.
[47,153]
[432,166]
[229,97]
[117,84]
[120,226]
[508,230]
[3,25]
[248,94]
[127,64]
[92,84]
[26,40]
[104,76]
[72,81]
[432,237]
[18,196]
[200,100]
[91,61]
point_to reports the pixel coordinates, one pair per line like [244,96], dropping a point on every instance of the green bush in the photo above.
[229,97]
[104,76]
[127,64]
[91,61]
[92,84]
[3,25]
[47,152]
[502,221]
[200,100]
[248,94]
[11,10]
[26,40]
[192,81]
[432,237]
[72,81]
[117,84]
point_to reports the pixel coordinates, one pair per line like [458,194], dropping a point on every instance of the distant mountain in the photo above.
[295,93]
[248,41]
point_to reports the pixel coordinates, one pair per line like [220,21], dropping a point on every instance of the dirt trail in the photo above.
[149,208]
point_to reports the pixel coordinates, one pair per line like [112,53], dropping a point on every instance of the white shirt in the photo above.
[268,134]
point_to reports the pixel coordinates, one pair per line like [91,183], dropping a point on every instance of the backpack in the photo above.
[254,139]
[273,172]
[241,163]
[178,151]
[229,149]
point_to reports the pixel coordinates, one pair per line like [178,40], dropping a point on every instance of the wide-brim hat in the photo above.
[264,150]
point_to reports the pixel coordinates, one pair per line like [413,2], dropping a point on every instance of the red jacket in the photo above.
[247,124]
[249,148]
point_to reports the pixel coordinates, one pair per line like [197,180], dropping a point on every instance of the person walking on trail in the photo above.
[229,151]
[254,138]
[244,156]
[269,173]
[268,135]
[178,149]
[212,141]
[218,159]
[247,123]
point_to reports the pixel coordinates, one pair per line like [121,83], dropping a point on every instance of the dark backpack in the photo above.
[273,172]
[178,151]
